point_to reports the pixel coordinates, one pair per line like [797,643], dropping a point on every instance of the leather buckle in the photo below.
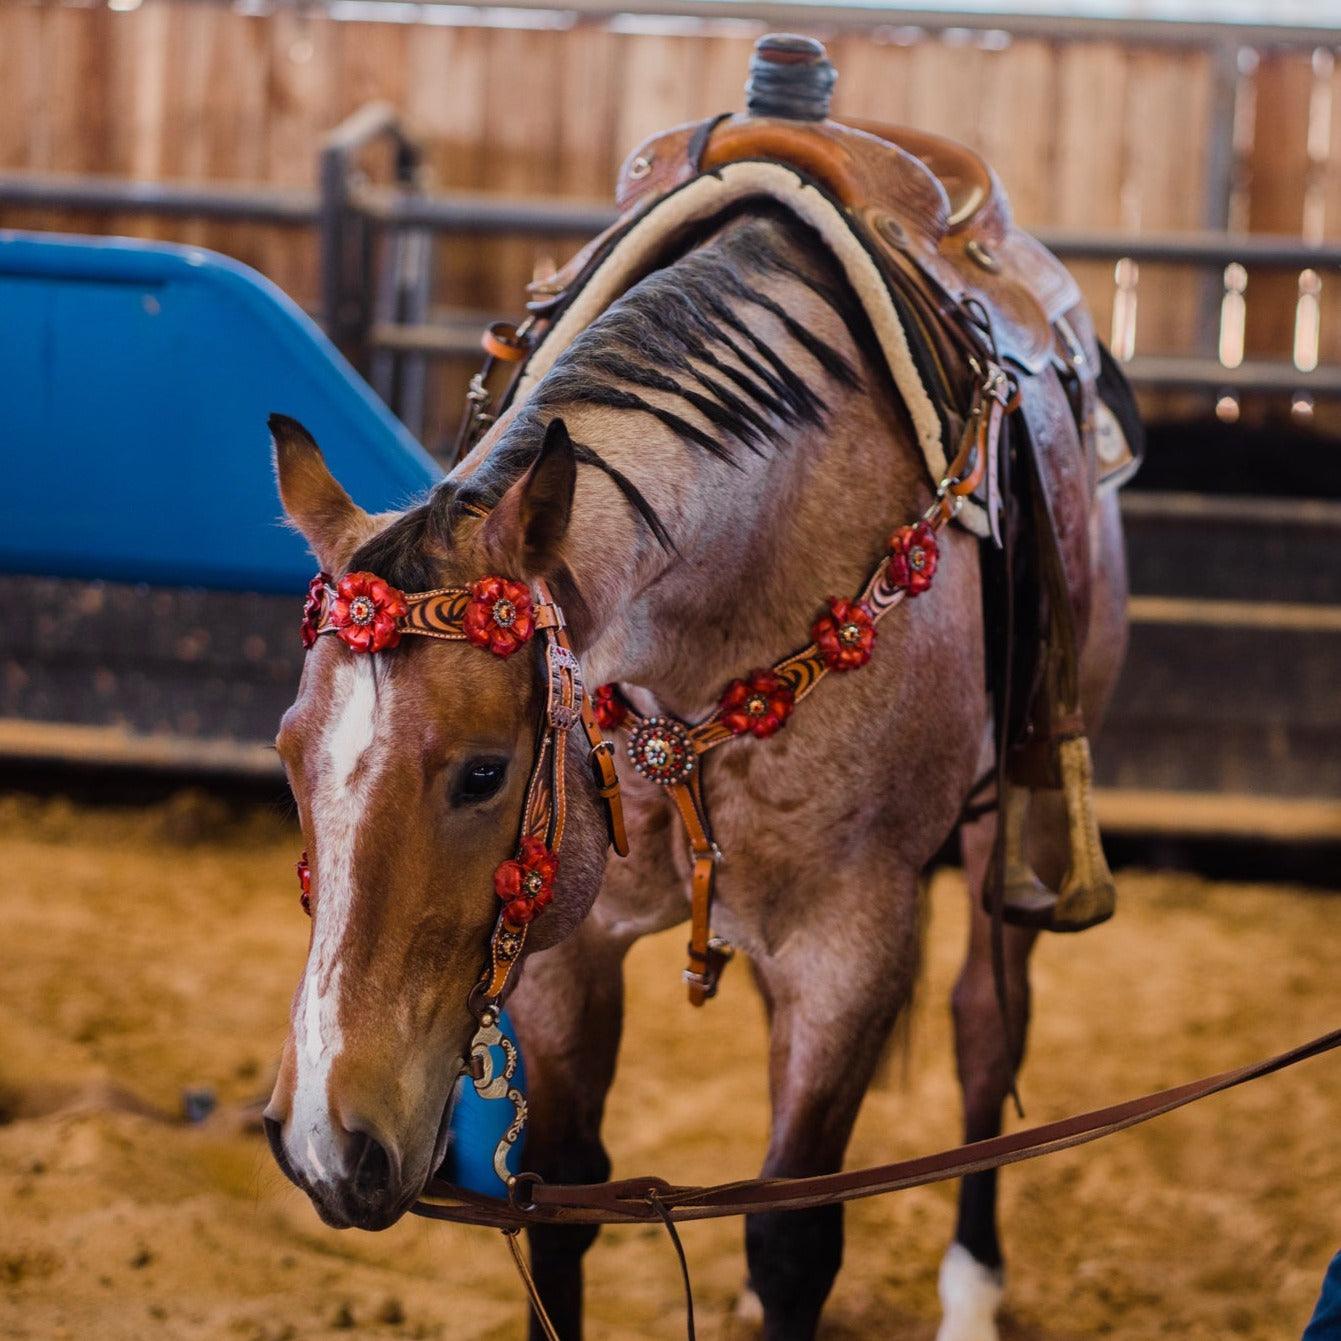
[719,955]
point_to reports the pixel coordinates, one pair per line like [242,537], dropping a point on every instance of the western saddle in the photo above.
[971,292]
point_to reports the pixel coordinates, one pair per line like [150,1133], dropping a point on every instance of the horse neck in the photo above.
[762,543]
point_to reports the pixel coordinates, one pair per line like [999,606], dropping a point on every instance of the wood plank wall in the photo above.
[1084,134]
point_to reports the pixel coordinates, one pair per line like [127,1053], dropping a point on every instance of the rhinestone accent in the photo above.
[661,752]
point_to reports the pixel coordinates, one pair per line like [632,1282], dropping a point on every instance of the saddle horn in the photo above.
[790,77]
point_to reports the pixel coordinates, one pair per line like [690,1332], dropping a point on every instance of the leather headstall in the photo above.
[499,616]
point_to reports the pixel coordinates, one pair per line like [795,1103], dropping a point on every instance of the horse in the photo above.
[715,455]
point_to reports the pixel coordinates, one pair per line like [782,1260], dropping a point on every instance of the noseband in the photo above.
[498,616]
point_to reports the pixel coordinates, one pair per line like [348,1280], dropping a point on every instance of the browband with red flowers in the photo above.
[368,614]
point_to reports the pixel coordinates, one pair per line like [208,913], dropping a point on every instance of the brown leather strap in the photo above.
[506,349]
[545,808]
[649,1199]
[707,957]
[532,1289]
[600,752]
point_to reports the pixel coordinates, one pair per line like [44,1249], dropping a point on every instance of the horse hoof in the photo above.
[970,1295]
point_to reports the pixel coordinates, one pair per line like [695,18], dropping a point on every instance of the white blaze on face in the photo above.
[349,764]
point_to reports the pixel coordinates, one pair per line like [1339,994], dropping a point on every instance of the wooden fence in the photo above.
[1086,134]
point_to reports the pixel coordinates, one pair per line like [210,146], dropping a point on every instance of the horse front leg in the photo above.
[569,1010]
[832,1001]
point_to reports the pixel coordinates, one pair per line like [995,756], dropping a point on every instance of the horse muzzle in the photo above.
[358,1183]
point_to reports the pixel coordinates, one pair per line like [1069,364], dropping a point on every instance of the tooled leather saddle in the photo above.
[923,231]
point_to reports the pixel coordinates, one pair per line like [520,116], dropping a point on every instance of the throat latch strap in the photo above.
[600,752]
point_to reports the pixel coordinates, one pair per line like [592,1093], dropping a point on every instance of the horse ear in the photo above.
[328,519]
[523,533]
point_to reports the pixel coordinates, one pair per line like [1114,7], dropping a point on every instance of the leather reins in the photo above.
[651,1200]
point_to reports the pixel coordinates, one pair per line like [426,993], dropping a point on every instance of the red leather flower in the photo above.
[608,708]
[913,553]
[500,616]
[759,704]
[366,612]
[304,883]
[526,883]
[316,598]
[846,635]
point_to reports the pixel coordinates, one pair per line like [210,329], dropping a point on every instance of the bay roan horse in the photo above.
[712,458]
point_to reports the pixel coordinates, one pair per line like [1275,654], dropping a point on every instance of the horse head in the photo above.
[411,760]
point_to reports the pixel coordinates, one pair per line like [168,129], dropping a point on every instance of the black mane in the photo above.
[681,331]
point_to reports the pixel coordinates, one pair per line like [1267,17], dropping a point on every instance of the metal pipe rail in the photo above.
[381,322]
[284,206]
[1267,376]
[455,334]
[491,214]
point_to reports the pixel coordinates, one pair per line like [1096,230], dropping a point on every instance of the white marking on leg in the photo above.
[348,770]
[971,1294]
[749,1308]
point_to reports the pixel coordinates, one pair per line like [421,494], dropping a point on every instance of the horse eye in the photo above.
[479,780]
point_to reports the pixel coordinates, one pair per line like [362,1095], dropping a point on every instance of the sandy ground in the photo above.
[145,952]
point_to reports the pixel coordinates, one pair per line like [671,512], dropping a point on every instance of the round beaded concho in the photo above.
[660,750]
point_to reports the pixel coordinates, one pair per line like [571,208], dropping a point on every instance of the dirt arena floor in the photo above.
[143,953]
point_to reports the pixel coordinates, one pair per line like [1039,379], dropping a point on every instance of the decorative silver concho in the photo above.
[661,751]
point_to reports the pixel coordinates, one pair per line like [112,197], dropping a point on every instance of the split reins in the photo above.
[650,1200]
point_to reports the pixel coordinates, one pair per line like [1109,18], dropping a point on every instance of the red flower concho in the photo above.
[846,635]
[608,708]
[366,612]
[304,883]
[760,703]
[499,616]
[316,599]
[913,552]
[526,883]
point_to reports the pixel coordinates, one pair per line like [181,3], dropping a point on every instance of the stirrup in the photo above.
[1088,894]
